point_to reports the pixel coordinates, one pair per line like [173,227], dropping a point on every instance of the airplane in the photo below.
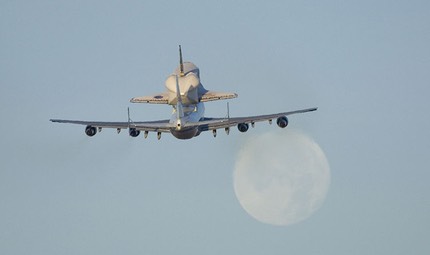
[185,93]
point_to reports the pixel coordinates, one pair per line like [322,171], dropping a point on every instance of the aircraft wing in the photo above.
[216,123]
[153,126]
[164,126]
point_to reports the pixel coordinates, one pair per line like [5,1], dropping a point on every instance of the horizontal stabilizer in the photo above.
[162,98]
[212,96]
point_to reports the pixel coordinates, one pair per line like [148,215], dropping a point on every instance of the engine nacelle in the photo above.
[282,122]
[133,132]
[243,127]
[90,131]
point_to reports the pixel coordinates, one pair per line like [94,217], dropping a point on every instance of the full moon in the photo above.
[281,178]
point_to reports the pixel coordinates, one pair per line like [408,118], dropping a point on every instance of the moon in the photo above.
[281,178]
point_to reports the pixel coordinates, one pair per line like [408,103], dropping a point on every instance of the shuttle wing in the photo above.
[161,98]
[212,96]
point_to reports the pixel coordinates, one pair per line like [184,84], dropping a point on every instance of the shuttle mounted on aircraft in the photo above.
[185,93]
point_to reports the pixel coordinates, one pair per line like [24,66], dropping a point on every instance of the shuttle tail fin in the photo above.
[181,63]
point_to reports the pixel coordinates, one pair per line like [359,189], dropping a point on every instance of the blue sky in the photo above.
[363,63]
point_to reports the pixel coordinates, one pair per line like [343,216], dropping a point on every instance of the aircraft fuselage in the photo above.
[192,114]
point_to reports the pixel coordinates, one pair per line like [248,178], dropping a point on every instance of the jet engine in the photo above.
[243,127]
[133,132]
[90,131]
[282,122]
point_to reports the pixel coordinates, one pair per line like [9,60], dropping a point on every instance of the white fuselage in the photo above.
[192,110]
[194,114]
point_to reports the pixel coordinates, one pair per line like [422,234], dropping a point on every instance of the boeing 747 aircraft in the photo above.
[186,95]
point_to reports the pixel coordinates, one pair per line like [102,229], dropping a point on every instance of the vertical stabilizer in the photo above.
[179,108]
[181,63]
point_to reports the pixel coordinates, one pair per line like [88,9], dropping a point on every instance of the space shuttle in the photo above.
[191,89]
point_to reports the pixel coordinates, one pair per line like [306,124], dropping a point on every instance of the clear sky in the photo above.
[365,64]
